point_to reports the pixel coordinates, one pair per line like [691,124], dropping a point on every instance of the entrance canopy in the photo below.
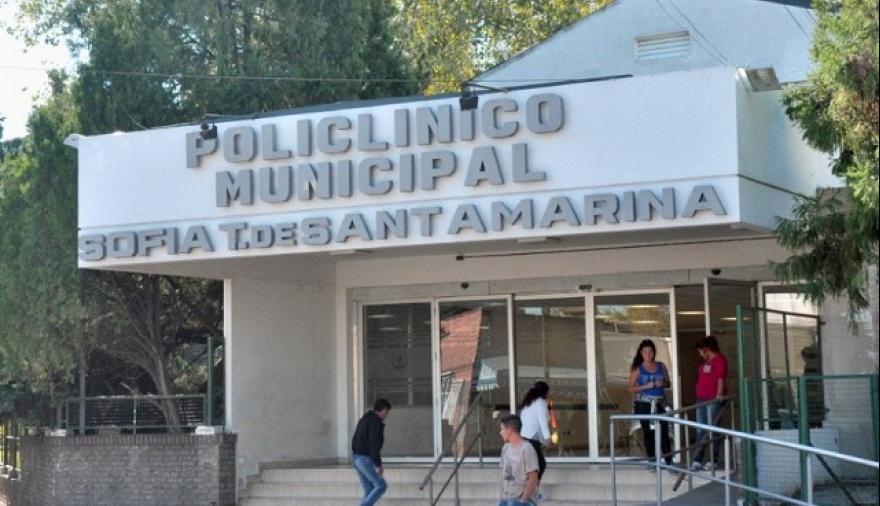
[624,159]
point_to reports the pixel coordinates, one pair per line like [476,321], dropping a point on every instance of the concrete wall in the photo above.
[280,370]
[847,350]
[730,34]
[124,470]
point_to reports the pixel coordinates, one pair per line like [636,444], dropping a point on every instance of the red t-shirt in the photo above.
[708,375]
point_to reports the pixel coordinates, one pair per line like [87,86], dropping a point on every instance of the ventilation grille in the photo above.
[667,45]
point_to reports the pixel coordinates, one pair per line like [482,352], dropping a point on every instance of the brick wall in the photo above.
[126,470]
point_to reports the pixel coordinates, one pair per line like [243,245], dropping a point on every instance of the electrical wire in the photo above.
[524,81]
[718,54]
[790,13]
[715,53]
[223,77]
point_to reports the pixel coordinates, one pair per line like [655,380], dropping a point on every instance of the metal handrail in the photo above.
[458,459]
[726,479]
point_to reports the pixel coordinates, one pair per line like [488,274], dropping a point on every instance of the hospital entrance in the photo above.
[439,360]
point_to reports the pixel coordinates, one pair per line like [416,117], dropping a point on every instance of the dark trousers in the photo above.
[644,408]
[542,462]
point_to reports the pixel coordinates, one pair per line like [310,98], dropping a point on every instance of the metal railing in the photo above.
[133,414]
[10,454]
[752,494]
[458,459]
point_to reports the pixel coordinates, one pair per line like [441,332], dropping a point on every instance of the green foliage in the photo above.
[834,238]
[159,62]
[829,249]
[42,313]
[454,41]
[153,63]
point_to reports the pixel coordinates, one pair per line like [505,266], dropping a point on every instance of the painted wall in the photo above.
[281,371]
[729,34]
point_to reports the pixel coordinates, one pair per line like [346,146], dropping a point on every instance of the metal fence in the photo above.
[133,414]
[835,413]
[10,453]
[790,473]
[785,396]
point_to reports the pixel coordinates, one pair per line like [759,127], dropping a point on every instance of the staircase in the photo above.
[568,484]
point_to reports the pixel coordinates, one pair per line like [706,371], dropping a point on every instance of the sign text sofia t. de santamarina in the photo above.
[392,174]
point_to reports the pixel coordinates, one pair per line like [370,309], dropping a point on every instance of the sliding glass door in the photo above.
[474,360]
[620,323]
[397,366]
[435,359]
[550,346]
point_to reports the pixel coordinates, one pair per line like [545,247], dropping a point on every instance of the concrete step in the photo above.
[587,484]
[422,502]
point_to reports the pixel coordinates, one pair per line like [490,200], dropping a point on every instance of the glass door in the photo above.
[397,367]
[550,343]
[722,297]
[473,339]
[620,323]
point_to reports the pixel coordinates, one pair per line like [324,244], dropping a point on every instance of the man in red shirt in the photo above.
[710,397]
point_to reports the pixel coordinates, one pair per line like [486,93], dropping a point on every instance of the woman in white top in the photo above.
[535,417]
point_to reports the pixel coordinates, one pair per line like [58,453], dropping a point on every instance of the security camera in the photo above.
[716,272]
[465,285]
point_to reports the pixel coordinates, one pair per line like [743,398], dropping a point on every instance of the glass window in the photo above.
[397,367]
[551,346]
[474,359]
[622,322]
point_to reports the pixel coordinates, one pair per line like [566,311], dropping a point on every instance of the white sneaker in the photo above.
[709,466]
[696,466]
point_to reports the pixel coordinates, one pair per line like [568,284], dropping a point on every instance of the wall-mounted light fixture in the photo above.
[537,239]
[349,252]
[761,75]
[469,99]
[208,132]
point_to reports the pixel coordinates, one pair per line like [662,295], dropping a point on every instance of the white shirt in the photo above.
[536,421]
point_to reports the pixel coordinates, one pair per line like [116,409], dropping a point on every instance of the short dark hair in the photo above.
[708,343]
[381,404]
[512,421]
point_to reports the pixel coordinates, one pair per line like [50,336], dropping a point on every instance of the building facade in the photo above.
[619,181]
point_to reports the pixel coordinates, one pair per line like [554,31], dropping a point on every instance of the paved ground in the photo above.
[710,494]
[713,494]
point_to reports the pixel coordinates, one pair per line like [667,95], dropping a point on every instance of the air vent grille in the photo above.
[667,45]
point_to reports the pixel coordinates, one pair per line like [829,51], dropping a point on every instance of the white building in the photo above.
[621,183]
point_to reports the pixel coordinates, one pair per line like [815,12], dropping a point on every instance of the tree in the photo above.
[153,63]
[159,62]
[834,237]
[44,315]
[454,41]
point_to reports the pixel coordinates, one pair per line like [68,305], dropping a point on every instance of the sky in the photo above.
[23,74]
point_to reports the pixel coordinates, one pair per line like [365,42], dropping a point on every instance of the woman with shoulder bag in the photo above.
[647,379]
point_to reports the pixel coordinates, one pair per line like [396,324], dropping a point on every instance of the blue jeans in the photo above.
[706,414]
[374,485]
[514,502]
